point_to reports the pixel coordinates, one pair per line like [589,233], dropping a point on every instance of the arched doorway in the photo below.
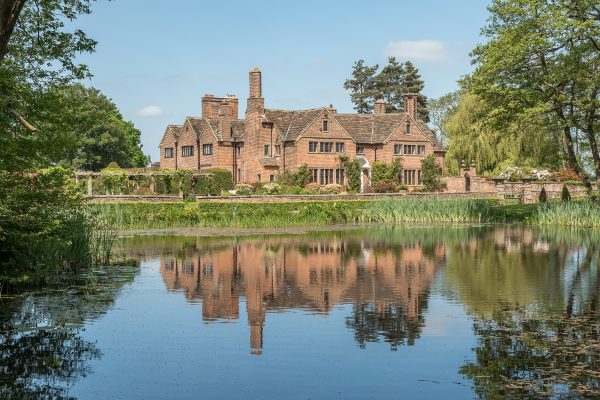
[365,176]
[467,183]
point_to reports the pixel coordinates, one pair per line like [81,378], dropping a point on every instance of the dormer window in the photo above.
[325,125]
[407,128]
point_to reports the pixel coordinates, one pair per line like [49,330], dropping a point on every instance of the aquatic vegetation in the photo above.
[583,213]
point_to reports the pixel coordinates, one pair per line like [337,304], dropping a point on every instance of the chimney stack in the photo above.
[211,106]
[410,104]
[256,103]
[379,107]
[225,120]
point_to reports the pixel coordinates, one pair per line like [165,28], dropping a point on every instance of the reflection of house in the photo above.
[280,273]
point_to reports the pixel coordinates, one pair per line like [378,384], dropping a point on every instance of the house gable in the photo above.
[315,128]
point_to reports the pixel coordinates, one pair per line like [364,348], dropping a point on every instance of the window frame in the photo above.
[170,152]
[316,146]
[361,152]
[187,151]
[277,150]
[398,147]
[325,125]
[340,147]
[267,150]
[207,149]
[327,145]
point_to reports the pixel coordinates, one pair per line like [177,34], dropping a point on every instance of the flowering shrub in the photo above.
[243,189]
[518,173]
[566,174]
[313,187]
[272,188]
[332,188]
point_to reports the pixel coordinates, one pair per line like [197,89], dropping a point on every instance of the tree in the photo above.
[431,174]
[94,132]
[440,110]
[391,84]
[412,83]
[388,84]
[362,86]
[544,55]
[477,130]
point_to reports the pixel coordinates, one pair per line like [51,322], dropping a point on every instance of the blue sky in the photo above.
[156,59]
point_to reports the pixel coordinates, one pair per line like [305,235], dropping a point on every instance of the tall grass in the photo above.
[299,213]
[429,211]
[582,213]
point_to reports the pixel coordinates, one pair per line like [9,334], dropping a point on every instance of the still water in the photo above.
[418,313]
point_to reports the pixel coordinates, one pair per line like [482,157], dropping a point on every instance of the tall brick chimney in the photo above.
[211,105]
[379,107]
[225,116]
[256,103]
[410,104]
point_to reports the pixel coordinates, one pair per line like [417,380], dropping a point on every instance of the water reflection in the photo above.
[42,350]
[531,298]
[387,285]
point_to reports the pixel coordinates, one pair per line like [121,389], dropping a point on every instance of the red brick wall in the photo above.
[187,138]
[335,134]
[168,141]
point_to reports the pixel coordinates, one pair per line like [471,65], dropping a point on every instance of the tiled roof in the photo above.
[291,124]
[239,129]
[174,130]
[363,128]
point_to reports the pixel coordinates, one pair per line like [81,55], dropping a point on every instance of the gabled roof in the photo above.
[291,123]
[238,126]
[370,128]
[174,130]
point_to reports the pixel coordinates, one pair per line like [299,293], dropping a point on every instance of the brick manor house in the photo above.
[268,141]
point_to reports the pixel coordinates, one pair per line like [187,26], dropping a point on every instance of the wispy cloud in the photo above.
[150,111]
[426,50]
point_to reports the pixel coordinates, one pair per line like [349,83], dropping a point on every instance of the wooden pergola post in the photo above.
[90,185]
[152,183]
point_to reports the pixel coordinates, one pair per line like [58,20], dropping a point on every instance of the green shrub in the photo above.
[430,170]
[243,189]
[312,187]
[382,187]
[332,188]
[543,198]
[353,172]
[298,178]
[388,173]
[565,195]
[272,188]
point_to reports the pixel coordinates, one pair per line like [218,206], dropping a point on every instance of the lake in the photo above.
[453,312]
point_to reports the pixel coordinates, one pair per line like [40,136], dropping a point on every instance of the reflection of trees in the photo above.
[43,364]
[546,356]
[548,351]
[42,352]
[389,322]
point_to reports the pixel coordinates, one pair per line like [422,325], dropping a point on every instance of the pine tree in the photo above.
[412,83]
[389,85]
[362,86]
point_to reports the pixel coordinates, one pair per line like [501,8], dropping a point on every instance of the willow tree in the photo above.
[544,56]
[482,132]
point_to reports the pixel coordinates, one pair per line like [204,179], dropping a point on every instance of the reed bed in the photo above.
[425,211]
[300,213]
[581,213]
